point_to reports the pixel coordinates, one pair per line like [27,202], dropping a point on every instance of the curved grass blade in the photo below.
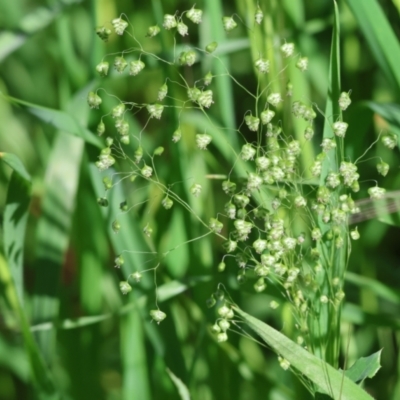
[40,374]
[182,389]
[325,377]
[364,367]
[61,120]
[380,37]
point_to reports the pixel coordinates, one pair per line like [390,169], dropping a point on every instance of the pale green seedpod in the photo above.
[122,127]
[118,111]
[273,304]
[203,140]
[224,325]
[287,49]
[383,168]
[136,276]
[157,315]
[103,33]
[210,302]
[285,364]
[183,29]
[260,285]
[221,267]
[215,225]
[119,25]
[308,133]
[158,151]
[116,226]
[376,193]
[195,15]
[135,67]
[205,99]
[146,171]
[101,128]
[230,246]
[208,78]
[153,31]
[389,140]
[176,136]
[162,92]
[259,15]
[262,65]
[119,261]
[133,177]
[215,329]
[193,94]
[340,128]
[107,182]
[102,68]
[354,234]
[102,201]
[94,100]
[187,58]
[344,101]
[120,64]
[274,99]
[266,116]
[147,230]
[138,155]
[252,122]
[125,287]
[105,162]
[229,23]
[289,89]
[210,48]
[167,203]
[123,206]
[302,64]
[248,152]
[155,110]
[222,337]
[125,140]
[229,187]
[195,189]
[169,21]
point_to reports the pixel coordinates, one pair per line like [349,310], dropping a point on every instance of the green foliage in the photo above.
[66,329]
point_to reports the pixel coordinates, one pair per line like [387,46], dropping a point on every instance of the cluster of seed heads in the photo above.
[261,240]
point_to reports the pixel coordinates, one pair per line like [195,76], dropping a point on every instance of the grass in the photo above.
[87,340]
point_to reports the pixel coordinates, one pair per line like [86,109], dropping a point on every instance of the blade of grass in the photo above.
[41,376]
[61,120]
[15,219]
[328,379]
[380,37]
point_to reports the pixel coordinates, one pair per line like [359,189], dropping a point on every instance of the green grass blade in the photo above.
[15,219]
[380,37]
[135,378]
[61,120]
[54,228]
[182,389]
[40,374]
[365,367]
[326,328]
[328,379]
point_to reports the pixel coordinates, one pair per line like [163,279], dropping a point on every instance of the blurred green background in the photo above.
[86,340]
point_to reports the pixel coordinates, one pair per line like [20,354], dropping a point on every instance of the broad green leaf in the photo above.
[364,367]
[380,37]
[61,120]
[15,219]
[328,379]
[182,389]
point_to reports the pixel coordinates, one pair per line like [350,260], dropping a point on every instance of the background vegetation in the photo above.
[62,315]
